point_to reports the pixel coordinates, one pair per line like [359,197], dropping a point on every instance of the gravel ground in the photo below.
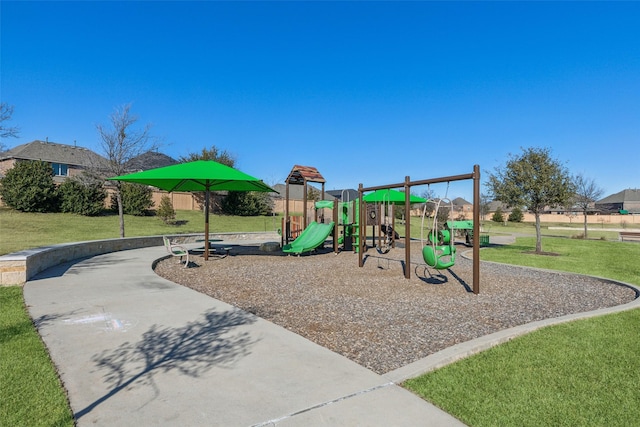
[376,317]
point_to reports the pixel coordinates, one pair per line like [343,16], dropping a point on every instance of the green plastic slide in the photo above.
[312,237]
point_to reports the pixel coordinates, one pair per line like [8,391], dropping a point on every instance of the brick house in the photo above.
[626,202]
[65,160]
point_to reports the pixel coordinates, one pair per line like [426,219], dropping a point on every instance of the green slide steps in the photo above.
[312,237]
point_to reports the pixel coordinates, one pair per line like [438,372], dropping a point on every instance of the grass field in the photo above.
[582,373]
[31,230]
[31,393]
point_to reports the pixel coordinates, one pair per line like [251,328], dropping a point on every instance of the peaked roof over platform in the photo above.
[301,174]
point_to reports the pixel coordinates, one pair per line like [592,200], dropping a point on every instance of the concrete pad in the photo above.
[135,349]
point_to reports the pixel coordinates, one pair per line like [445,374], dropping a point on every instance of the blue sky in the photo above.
[367,92]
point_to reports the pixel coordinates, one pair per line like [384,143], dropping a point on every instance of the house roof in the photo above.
[55,153]
[495,204]
[299,174]
[149,160]
[628,195]
[349,194]
[459,201]
[296,192]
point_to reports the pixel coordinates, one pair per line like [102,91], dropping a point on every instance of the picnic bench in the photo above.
[629,235]
[217,251]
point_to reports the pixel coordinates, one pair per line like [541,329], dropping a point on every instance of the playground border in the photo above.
[18,267]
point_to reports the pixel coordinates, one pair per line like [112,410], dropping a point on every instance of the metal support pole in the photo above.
[476,229]
[407,228]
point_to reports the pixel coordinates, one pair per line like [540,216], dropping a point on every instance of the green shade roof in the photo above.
[200,175]
[391,196]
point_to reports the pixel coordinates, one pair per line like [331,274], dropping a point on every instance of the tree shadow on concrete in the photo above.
[190,350]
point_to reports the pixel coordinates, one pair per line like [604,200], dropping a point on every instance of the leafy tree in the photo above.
[243,203]
[165,211]
[121,142]
[6,112]
[28,187]
[534,180]
[213,153]
[313,194]
[586,192]
[83,196]
[136,199]
[498,216]
[516,215]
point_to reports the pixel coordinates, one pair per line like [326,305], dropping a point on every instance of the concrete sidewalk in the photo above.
[135,349]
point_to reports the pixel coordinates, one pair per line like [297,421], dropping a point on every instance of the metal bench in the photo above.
[176,250]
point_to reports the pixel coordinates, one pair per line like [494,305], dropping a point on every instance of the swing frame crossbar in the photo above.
[406,185]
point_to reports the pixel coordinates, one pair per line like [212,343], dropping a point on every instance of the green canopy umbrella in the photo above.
[199,175]
[390,196]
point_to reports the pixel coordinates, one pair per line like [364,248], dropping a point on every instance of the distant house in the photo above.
[346,195]
[296,192]
[149,160]
[626,201]
[462,208]
[65,160]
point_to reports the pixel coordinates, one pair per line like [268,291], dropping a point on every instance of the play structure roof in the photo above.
[391,196]
[301,174]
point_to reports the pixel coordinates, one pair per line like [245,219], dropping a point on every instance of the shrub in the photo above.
[246,203]
[165,211]
[516,215]
[136,199]
[28,187]
[82,197]
[497,216]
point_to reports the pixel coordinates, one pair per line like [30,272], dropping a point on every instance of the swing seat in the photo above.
[433,257]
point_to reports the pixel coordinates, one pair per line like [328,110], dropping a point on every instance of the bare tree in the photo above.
[6,112]
[485,202]
[120,142]
[586,192]
[534,180]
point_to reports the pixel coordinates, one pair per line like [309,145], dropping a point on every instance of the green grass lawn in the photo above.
[584,373]
[30,391]
[31,230]
[581,373]
[596,232]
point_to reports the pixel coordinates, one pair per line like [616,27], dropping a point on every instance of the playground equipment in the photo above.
[384,245]
[310,239]
[299,175]
[440,251]
[344,217]
[407,184]
[305,236]
[382,215]
[348,214]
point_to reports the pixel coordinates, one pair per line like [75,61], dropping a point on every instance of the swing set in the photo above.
[439,252]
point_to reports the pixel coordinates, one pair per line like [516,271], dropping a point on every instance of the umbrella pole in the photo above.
[206,225]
